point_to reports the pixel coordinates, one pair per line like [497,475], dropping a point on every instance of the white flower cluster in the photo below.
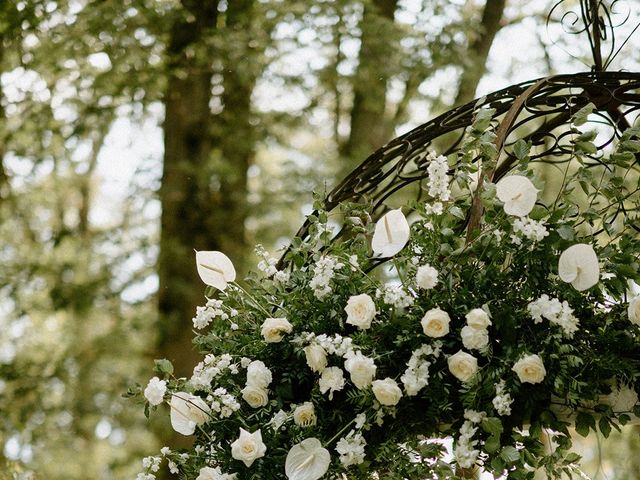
[267,265]
[464,453]
[502,401]
[416,376]
[438,178]
[395,295]
[212,366]
[323,272]
[426,277]
[279,419]
[332,344]
[351,448]
[155,391]
[556,312]
[214,473]
[223,402]
[205,315]
[435,208]
[528,228]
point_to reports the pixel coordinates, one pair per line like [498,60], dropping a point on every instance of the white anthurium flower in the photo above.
[578,265]
[215,269]
[391,234]
[518,194]
[187,412]
[307,460]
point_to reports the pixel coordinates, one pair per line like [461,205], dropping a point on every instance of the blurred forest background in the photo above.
[135,131]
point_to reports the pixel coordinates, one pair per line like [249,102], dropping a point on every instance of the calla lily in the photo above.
[307,460]
[188,411]
[391,234]
[578,265]
[215,269]
[518,194]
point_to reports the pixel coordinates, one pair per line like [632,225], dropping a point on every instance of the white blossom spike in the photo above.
[215,269]
[391,234]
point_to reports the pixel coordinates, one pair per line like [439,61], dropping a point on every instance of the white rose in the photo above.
[273,329]
[473,338]
[332,380]
[530,369]
[316,357]
[155,391]
[426,277]
[478,318]
[255,396]
[258,374]
[634,310]
[360,311]
[187,412]
[305,415]
[435,323]
[248,447]
[361,369]
[463,366]
[209,473]
[387,391]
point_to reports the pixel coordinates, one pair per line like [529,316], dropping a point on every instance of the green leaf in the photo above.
[510,454]
[586,147]
[163,366]
[492,425]
[565,232]
[572,458]
[492,444]
[581,116]
[584,422]
[605,426]
[521,149]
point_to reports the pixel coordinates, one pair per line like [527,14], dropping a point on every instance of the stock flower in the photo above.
[248,447]
[463,366]
[316,357]
[255,396]
[530,369]
[307,460]
[361,369]
[332,380]
[435,323]
[387,391]
[426,277]
[215,269]
[360,311]
[634,310]
[578,265]
[258,374]
[474,338]
[187,412]
[478,319]
[305,415]
[518,194]
[273,329]
[155,391]
[391,234]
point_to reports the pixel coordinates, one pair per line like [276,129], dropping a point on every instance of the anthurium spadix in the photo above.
[578,265]
[391,234]
[518,194]
[307,460]
[215,269]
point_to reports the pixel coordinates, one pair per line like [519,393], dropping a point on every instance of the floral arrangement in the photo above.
[363,353]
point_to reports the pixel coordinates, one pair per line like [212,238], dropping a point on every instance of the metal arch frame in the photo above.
[546,105]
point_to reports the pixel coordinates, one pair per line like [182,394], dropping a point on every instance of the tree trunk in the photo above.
[368,121]
[184,193]
[479,51]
